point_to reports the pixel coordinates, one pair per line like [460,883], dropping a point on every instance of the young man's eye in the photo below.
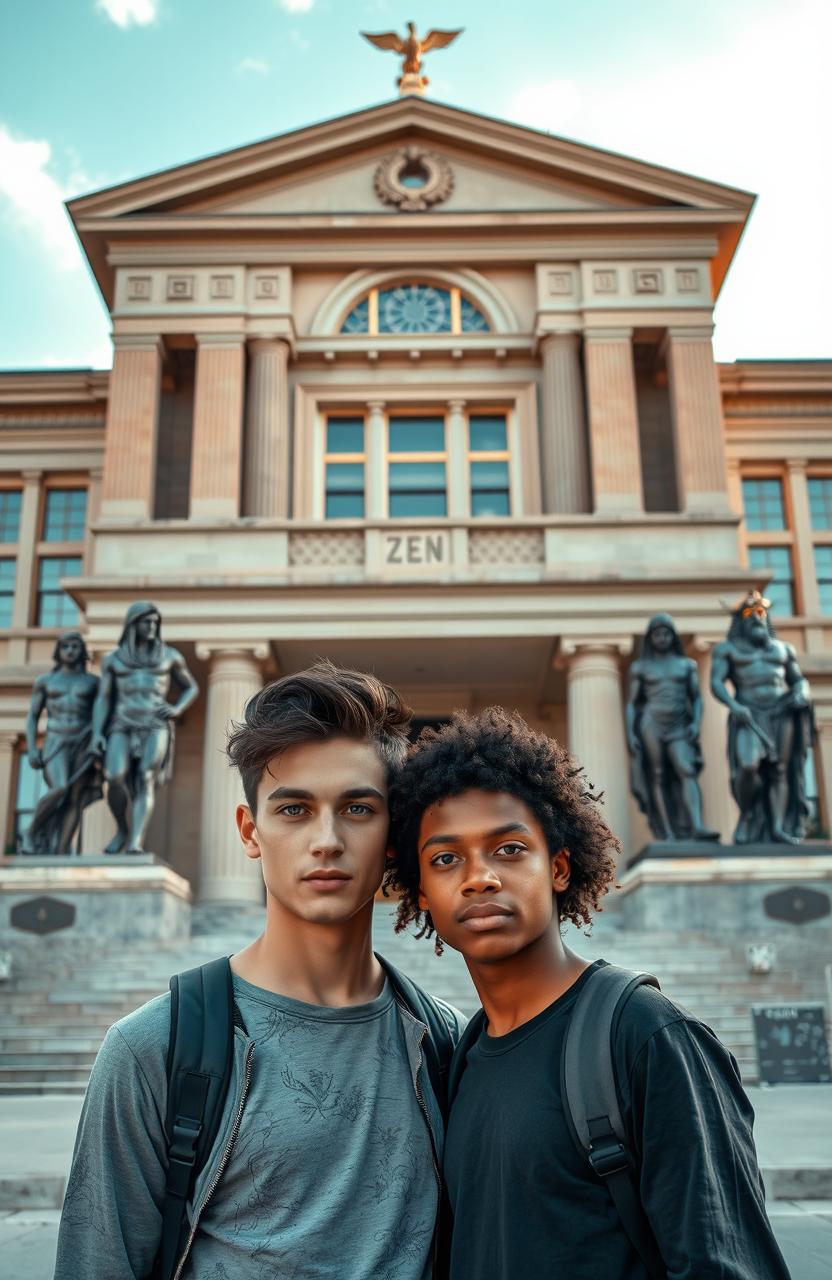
[292,810]
[511,850]
[358,810]
[443,860]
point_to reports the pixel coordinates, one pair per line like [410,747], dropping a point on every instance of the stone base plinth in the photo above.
[752,889]
[91,900]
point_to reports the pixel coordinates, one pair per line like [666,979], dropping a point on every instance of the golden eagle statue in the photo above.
[412,50]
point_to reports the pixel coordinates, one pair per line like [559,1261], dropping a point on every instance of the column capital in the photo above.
[608,333]
[139,342]
[562,338]
[9,740]
[797,466]
[570,647]
[207,651]
[233,340]
[693,333]
[32,475]
[457,405]
[266,342]
[376,406]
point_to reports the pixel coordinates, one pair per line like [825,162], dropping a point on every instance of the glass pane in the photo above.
[489,475]
[490,504]
[31,785]
[763,504]
[417,435]
[345,435]
[358,320]
[8,569]
[823,569]
[487,434]
[54,608]
[473,321]
[345,477]
[820,502]
[780,590]
[9,514]
[414,308]
[417,504]
[342,506]
[416,475]
[65,515]
[6,605]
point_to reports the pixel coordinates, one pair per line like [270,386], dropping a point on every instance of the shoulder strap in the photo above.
[590,1097]
[438,1045]
[200,1055]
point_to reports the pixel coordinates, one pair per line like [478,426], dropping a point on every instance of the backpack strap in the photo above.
[590,1097]
[199,1063]
[438,1044]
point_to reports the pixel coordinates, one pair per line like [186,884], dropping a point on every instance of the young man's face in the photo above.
[321,828]
[487,876]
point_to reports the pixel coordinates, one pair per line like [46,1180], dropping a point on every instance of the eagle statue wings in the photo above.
[410,47]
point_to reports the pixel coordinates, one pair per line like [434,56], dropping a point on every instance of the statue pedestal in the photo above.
[81,902]
[752,890]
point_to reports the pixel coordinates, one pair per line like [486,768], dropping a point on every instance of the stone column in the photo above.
[216,454]
[718,807]
[225,873]
[375,446]
[97,828]
[26,549]
[696,409]
[804,554]
[823,767]
[459,470]
[615,447]
[597,738]
[8,744]
[266,484]
[132,424]
[563,438]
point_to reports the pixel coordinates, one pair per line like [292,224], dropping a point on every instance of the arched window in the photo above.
[415,308]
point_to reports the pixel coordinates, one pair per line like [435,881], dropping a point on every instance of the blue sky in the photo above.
[96,91]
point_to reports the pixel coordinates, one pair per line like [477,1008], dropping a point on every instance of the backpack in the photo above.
[199,1065]
[590,1096]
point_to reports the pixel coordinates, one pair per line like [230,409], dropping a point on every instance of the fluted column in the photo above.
[8,744]
[225,873]
[615,449]
[596,727]
[696,408]
[376,452]
[459,470]
[129,480]
[216,453]
[266,487]
[27,539]
[563,438]
[718,807]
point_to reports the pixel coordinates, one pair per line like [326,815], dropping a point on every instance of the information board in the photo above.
[791,1043]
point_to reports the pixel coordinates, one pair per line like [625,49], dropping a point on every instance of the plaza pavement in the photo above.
[794,1143]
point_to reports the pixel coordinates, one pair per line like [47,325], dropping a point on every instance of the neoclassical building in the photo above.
[427,393]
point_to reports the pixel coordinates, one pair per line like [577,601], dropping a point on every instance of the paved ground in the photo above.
[794,1140]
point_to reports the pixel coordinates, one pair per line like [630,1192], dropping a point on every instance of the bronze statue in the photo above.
[412,49]
[133,721]
[67,693]
[770,728]
[664,711]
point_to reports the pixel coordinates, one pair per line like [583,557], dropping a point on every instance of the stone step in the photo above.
[53,1075]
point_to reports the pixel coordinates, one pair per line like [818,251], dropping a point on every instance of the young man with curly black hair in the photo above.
[498,840]
[326,1160]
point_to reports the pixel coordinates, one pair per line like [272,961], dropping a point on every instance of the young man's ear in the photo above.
[248,832]
[561,870]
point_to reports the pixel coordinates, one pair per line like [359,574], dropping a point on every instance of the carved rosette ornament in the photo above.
[412,179]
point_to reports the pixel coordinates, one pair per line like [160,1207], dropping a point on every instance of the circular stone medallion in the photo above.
[412,179]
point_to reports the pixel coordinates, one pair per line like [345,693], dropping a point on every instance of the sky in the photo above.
[94,92]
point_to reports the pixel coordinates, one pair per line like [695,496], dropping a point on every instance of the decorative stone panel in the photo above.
[506,546]
[687,279]
[332,549]
[180,288]
[222,286]
[139,288]
[605,281]
[647,280]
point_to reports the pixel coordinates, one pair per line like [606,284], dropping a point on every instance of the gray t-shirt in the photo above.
[331,1175]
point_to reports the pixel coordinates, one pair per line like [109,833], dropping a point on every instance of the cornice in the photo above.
[53,386]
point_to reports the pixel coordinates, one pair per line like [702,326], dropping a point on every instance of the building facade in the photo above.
[426,393]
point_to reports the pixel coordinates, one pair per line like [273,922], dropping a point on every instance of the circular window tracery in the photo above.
[415,308]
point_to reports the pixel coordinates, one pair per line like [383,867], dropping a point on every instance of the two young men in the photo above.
[328,1158]
[498,840]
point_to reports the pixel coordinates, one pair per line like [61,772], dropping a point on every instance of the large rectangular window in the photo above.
[55,608]
[823,570]
[8,569]
[489,462]
[65,515]
[820,501]
[344,463]
[10,500]
[780,589]
[416,467]
[762,501]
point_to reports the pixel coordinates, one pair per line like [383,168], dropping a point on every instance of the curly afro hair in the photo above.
[497,751]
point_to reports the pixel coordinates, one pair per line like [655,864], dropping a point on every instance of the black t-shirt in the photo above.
[526,1204]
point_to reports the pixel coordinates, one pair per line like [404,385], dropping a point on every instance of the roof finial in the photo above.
[412,49]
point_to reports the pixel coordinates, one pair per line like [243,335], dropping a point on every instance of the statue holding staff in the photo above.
[663,715]
[770,728]
[133,722]
[67,693]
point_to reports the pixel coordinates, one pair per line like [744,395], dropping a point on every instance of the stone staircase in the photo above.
[57,1007]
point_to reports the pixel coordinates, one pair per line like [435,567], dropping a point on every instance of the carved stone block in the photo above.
[139,288]
[687,279]
[605,281]
[222,286]
[266,287]
[180,288]
[648,280]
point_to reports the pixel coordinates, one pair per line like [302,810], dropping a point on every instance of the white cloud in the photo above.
[748,112]
[35,197]
[296,6]
[126,12]
[257,66]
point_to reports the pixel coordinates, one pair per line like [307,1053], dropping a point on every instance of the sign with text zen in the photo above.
[791,1043]
[414,551]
